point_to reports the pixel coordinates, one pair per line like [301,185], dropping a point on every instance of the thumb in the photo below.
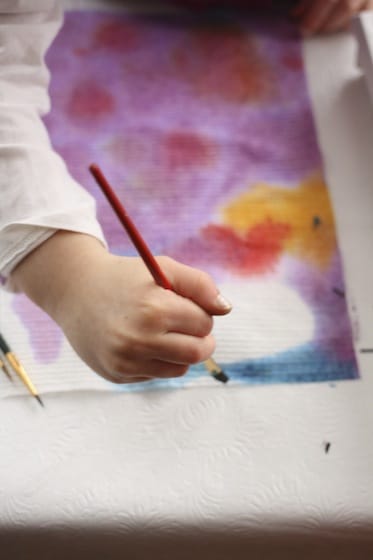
[195,285]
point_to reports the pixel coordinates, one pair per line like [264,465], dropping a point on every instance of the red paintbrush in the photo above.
[131,229]
[144,251]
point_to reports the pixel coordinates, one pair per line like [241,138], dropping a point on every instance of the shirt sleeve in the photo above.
[38,195]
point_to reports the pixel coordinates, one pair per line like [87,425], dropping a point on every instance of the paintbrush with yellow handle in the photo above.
[18,368]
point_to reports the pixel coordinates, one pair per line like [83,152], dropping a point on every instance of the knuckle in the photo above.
[117,369]
[124,370]
[135,350]
[195,354]
[202,279]
[123,345]
[200,350]
[152,315]
[124,350]
[207,325]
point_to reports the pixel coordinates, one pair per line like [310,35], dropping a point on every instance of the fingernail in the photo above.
[223,303]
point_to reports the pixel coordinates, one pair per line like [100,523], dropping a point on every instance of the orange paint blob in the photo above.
[306,210]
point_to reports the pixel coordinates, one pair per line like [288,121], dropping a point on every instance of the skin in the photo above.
[326,16]
[313,16]
[124,326]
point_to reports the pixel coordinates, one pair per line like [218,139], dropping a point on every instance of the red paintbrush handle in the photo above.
[135,236]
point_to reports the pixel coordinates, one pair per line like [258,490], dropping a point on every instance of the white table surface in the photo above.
[216,472]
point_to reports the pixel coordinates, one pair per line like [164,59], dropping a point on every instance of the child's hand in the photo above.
[118,320]
[323,16]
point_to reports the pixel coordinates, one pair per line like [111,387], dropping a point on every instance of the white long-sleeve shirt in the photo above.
[38,195]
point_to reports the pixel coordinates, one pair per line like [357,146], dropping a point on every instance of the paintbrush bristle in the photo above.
[39,400]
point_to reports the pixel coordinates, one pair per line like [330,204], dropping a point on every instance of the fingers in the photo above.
[196,286]
[338,19]
[186,317]
[168,356]
[182,349]
[163,311]
[154,368]
[342,14]
[315,16]
[169,348]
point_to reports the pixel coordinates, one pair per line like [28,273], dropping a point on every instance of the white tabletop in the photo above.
[210,472]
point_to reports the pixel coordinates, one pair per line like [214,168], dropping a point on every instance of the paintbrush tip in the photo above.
[221,376]
[216,371]
[39,400]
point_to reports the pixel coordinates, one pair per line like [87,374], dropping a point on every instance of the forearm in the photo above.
[56,270]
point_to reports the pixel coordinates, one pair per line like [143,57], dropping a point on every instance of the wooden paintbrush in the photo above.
[19,369]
